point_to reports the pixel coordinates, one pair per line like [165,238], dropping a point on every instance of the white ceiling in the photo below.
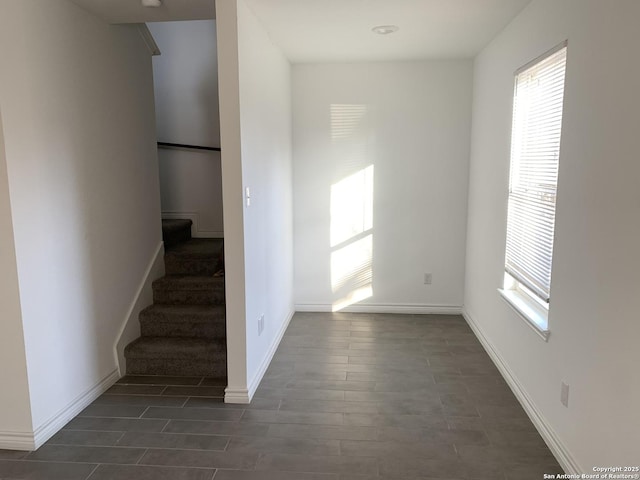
[340,30]
[132,11]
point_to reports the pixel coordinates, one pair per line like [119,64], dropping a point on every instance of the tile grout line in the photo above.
[92,472]
[146,450]
[165,426]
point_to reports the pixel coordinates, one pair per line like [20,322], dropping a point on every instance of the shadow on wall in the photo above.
[351,228]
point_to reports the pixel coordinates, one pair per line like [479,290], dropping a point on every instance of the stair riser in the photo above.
[177,367]
[189,297]
[181,266]
[183,329]
[176,237]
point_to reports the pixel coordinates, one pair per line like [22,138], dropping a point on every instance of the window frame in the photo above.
[530,305]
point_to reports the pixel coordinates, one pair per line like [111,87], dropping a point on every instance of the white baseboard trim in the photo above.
[244,395]
[236,395]
[566,460]
[196,230]
[31,441]
[416,309]
[257,378]
[130,328]
[17,441]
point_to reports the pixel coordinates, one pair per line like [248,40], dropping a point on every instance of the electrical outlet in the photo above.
[564,394]
[427,279]
[260,324]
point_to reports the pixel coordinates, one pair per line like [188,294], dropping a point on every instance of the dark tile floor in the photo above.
[347,397]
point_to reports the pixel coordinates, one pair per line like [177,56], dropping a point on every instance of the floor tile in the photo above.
[159,380]
[262,475]
[256,403]
[332,385]
[141,400]
[199,458]
[28,470]
[311,446]
[395,449]
[77,453]
[116,424]
[323,431]
[532,472]
[194,413]
[114,411]
[137,472]
[304,394]
[527,438]
[307,418]
[328,406]
[12,454]
[364,419]
[434,467]
[510,455]
[194,391]
[85,437]
[173,440]
[318,464]
[216,428]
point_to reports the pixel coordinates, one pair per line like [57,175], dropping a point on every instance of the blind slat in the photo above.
[533,179]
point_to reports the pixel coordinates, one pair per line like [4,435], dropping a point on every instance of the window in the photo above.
[533,179]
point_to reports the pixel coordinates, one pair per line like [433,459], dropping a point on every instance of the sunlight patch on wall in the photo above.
[345,120]
[351,207]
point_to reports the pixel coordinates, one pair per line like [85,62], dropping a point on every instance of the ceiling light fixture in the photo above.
[385,29]
[152,3]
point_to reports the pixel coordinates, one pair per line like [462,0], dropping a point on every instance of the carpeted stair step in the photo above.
[175,231]
[198,256]
[176,356]
[189,290]
[201,321]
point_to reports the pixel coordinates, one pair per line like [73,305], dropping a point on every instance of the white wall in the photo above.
[265,118]
[407,124]
[186,94]
[593,312]
[77,106]
[15,411]
[232,195]
[255,94]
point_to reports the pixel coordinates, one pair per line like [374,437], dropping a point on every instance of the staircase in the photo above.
[183,332]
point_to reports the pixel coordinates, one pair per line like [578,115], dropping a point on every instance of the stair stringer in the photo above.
[130,328]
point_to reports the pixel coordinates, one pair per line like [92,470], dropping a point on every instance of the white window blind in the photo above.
[535,149]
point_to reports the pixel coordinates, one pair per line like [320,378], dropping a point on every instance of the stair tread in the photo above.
[195,282]
[200,310]
[194,313]
[174,347]
[200,248]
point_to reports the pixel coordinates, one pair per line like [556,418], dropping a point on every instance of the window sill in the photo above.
[533,315]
